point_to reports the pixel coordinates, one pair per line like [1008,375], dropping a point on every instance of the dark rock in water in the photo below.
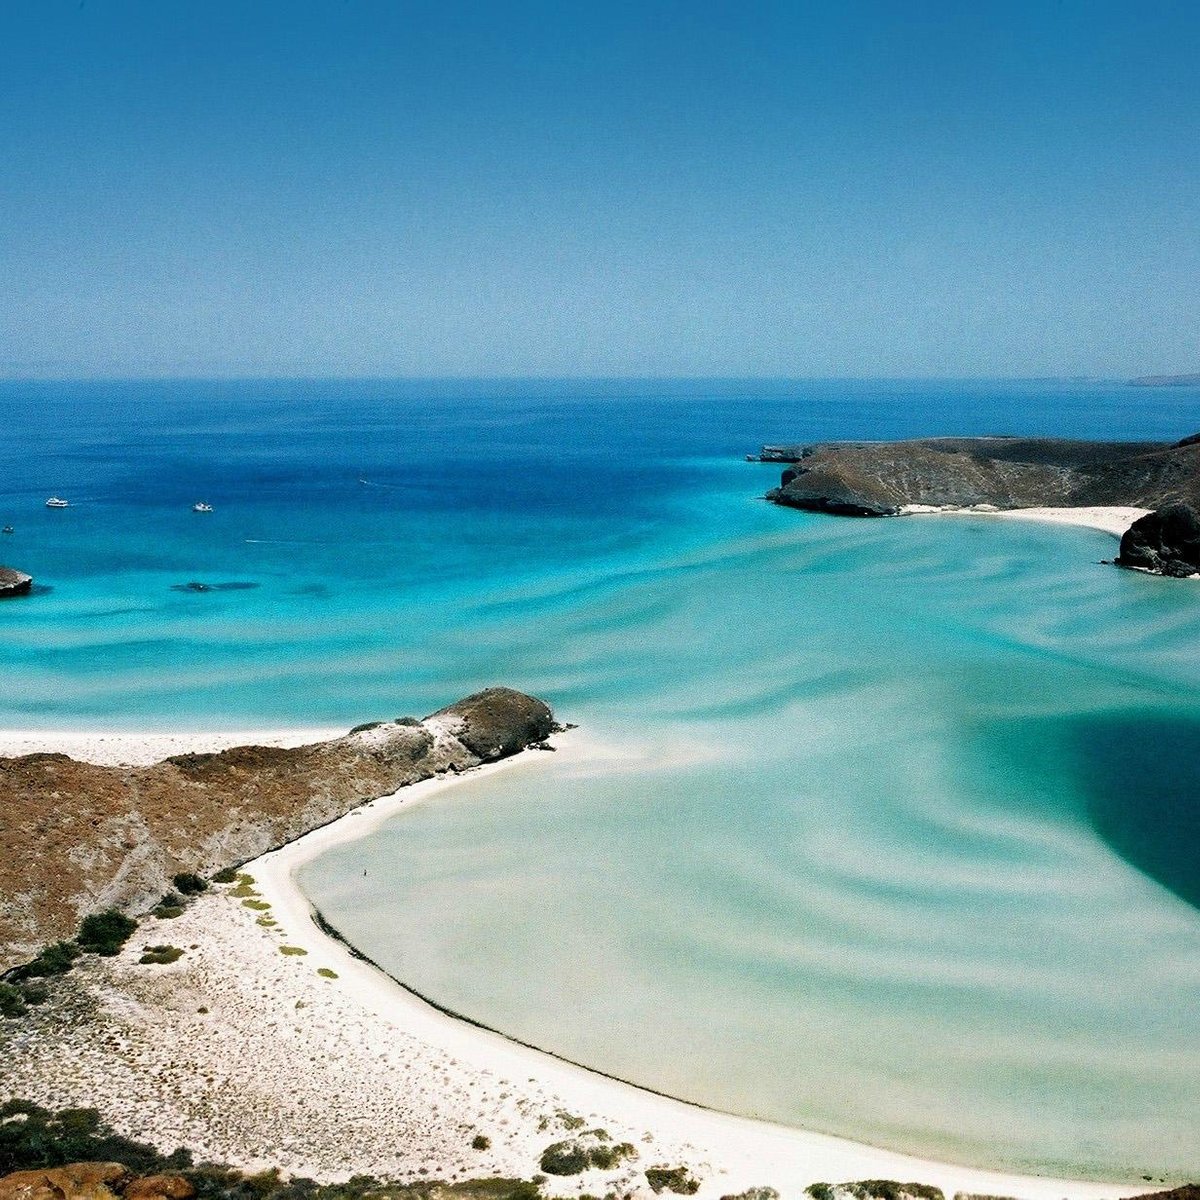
[1166,541]
[878,479]
[197,586]
[14,583]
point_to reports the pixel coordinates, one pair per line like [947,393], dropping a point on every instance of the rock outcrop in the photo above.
[881,478]
[78,837]
[93,1181]
[1166,541]
[14,583]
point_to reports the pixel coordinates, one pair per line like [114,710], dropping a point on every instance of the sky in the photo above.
[842,189]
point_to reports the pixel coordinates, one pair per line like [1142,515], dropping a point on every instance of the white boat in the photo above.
[200,506]
[56,502]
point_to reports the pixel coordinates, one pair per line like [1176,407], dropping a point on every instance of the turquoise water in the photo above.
[884,828]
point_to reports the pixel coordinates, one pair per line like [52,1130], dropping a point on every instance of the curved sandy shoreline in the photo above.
[740,1152]
[728,1153]
[1108,520]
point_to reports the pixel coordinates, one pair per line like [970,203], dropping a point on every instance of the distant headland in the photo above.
[1166,381]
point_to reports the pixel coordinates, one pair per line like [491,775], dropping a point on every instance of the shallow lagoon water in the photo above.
[882,828]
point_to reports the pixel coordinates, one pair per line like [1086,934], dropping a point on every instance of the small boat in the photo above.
[200,506]
[57,502]
[8,529]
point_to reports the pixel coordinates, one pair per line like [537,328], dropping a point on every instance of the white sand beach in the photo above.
[244,1051]
[1114,520]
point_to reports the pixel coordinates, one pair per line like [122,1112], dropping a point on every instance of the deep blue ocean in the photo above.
[885,828]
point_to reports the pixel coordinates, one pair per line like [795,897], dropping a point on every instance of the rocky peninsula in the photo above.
[880,479]
[81,837]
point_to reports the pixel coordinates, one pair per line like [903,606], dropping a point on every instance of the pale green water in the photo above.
[850,876]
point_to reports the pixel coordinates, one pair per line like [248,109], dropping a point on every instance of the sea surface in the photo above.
[882,828]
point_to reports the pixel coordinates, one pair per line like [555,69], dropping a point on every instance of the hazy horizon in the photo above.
[367,190]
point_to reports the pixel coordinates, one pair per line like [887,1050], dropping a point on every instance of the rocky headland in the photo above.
[883,478]
[80,838]
[1166,381]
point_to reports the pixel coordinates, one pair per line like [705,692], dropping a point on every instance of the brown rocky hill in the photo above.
[78,838]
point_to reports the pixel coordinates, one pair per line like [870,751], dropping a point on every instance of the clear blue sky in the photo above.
[842,188]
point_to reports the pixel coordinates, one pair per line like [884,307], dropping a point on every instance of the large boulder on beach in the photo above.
[75,1181]
[14,583]
[496,722]
[1166,541]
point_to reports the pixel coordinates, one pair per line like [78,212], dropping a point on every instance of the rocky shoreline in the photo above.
[888,479]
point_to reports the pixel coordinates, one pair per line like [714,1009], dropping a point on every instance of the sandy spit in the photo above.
[316,1062]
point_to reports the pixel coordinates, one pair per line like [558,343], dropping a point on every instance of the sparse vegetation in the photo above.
[169,907]
[188,884]
[481,1142]
[55,959]
[327,973]
[672,1179]
[105,932]
[818,1191]
[161,955]
[225,875]
[292,950]
[244,889]
[257,905]
[33,1138]
[769,1193]
[590,1149]
[889,1189]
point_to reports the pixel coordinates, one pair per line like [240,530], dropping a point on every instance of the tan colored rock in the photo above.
[159,1187]
[76,1181]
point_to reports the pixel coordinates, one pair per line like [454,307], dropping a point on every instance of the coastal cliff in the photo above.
[882,478]
[79,838]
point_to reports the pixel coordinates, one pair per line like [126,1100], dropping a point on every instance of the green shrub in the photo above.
[162,955]
[32,1137]
[590,1149]
[105,932]
[326,973]
[244,889]
[564,1158]
[167,912]
[188,884]
[257,905]
[480,1142]
[225,875]
[12,1003]
[292,950]
[889,1189]
[818,1191]
[769,1193]
[55,959]
[672,1179]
